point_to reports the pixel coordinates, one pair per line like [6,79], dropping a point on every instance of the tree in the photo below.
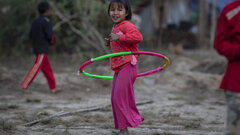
[158,15]
[203,24]
[213,22]
[80,26]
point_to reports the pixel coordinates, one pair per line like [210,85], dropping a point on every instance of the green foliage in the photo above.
[16,17]
[134,1]
[15,20]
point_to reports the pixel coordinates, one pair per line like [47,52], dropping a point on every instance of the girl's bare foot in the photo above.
[123,132]
[56,90]
[26,91]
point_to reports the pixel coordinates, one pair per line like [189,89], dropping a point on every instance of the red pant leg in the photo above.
[48,72]
[33,72]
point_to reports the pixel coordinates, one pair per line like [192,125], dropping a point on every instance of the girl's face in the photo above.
[117,12]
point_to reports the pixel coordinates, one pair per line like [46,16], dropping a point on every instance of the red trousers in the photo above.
[41,62]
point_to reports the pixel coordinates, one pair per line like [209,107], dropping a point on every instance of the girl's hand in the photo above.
[114,37]
[107,42]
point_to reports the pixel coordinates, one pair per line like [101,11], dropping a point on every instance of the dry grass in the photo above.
[33,100]
[6,107]
[6,126]
[165,133]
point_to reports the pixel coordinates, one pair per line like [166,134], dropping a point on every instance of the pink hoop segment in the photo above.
[84,65]
[152,71]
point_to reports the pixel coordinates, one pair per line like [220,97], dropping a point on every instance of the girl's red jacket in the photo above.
[129,37]
[227,43]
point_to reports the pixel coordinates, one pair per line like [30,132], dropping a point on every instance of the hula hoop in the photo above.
[120,54]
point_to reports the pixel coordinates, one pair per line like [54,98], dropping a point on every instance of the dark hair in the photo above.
[43,7]
[126,5]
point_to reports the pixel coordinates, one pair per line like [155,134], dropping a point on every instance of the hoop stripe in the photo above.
[124,53]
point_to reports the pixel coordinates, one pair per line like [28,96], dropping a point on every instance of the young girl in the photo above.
[124,37]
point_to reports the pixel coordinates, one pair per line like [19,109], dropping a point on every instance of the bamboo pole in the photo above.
[213,22]
[203,24]
[60,114]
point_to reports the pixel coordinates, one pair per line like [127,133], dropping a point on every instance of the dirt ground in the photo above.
[186,99]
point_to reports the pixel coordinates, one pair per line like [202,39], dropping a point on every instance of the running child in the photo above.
[42,36]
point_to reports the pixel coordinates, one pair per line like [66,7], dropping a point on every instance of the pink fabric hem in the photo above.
[129,125]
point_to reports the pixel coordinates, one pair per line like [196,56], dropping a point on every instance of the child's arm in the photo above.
[48,31]
[130,34]
[114,37]
[223,44]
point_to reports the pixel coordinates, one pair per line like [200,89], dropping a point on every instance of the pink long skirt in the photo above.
[124,108]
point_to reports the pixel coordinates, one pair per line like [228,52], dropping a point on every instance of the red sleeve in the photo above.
[226,44]
[130,34]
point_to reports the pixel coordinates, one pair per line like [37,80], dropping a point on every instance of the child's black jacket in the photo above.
[41,34]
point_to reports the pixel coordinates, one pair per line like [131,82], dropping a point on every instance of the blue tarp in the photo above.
[220,3]
[194,5]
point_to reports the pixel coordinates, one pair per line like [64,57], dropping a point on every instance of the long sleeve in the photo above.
[48,30]
[227,41]
[130,34]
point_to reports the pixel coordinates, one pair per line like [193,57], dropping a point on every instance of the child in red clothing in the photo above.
[227,43]
[124,37]
[42,36]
